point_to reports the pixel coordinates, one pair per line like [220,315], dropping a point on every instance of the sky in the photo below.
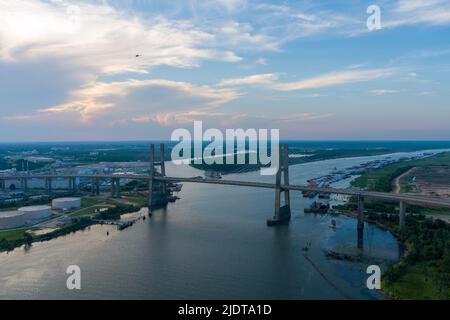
[139,69]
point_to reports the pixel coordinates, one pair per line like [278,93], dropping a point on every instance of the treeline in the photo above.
[115,212]
[429,252]
[28,239]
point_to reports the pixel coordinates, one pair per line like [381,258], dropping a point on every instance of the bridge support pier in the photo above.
[282,213]
[93,186]
[118,191]
[2,185]
[73,184]
[97,186]
[115,188]
[360,222]
[24,184]
[360,212]
[402,213]
[48,185]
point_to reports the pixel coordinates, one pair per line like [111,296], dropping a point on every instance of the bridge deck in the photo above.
[413,199]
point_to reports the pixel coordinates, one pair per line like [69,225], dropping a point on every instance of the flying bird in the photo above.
[138,55]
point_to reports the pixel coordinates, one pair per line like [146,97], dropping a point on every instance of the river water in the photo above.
[211,244]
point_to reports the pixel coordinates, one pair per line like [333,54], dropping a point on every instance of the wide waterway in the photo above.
[211,244]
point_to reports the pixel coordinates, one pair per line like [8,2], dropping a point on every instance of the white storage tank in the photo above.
[12,219]
[36,212]
[66,203]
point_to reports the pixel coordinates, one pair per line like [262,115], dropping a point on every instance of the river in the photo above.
[211,244]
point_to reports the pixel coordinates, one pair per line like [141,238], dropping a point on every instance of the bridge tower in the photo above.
[157,197]
[282,213]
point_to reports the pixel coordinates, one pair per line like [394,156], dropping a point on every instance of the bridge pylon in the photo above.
[282,213]
[157,194]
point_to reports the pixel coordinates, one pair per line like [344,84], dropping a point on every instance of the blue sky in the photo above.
[69,71]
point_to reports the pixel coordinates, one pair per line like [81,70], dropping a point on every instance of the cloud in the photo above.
[407,12]
[380,92]
[135,99]
[259,79]
[333,79]
[222,119]
[102,38]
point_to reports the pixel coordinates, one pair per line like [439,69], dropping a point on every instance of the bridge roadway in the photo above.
[425,201]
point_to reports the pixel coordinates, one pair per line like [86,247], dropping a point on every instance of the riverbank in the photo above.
[425,272]
[9,240]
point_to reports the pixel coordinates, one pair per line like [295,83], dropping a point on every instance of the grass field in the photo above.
[13,235]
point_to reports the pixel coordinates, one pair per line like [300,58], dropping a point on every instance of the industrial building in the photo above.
[36,212]
[66,203]
[12,219]
[24,216]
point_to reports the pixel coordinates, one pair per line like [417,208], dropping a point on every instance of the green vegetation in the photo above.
[381,179]
[115,212]
[424,273]
[13,239]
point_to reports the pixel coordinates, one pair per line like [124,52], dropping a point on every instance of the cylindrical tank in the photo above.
[66,203]
[12,219]
[36,212]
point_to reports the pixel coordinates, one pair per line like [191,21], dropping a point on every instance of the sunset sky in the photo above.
[69,69]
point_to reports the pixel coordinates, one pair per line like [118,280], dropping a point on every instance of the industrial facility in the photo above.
[24,216]
[66,203]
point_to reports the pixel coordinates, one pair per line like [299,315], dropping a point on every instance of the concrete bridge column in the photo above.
[2,185]
[117,188]
[150,181]
[97,186]
[23,185]
[360,212]
[402,212]
[93,186]
[360,229]
[74,184]
[113,188]
[48,185]
[163,169]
